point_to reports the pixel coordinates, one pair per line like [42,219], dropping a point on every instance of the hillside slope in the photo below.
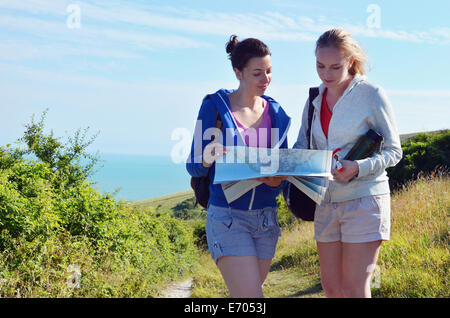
[414,263]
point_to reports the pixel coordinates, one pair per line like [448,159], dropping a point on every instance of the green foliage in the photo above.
[199,231]
[187,210]
[422,153]
[285,217]
[51,217]
[66,160]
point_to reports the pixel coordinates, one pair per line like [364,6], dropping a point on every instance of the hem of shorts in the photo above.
[327,239]
[364,239]
[241,254]
[348,239]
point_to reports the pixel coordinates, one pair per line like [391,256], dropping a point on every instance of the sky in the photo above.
[136,71]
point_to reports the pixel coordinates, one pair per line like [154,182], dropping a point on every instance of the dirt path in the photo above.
[179,290]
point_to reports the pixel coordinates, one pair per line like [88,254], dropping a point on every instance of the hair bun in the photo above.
[232,43]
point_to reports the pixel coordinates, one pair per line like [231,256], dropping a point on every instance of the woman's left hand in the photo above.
[351,169]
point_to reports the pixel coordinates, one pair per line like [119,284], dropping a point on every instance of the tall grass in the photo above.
[414,263]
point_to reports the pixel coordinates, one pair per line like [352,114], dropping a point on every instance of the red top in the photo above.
[325,114]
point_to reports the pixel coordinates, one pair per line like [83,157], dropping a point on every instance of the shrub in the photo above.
[422,153]
[187,210]
[52,217]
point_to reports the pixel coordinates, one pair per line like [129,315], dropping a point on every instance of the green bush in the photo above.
[285,216]
[187,210]
[51,217]
[422,153]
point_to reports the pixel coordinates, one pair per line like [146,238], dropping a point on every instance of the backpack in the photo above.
[200,185]
[298,202]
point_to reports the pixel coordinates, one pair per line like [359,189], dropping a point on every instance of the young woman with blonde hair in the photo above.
[355,216]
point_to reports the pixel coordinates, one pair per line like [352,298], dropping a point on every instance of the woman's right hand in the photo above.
[212,151]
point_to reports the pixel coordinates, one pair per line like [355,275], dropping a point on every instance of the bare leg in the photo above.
[264,268]
[358,263]
[242,276]
[330,257]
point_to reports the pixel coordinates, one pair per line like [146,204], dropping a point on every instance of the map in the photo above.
[308,170]
[242,163]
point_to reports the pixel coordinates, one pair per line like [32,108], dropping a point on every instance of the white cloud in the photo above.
[19,50]
[115,30]
[142,25]
[443,33]
[36,6]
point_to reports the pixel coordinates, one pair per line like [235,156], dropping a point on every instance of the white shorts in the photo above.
[365,219]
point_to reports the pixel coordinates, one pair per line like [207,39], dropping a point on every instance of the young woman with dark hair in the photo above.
[242,235]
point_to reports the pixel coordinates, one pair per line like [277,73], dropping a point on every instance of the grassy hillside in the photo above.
[59,237]
[404,137]
[414,263]
[166,202]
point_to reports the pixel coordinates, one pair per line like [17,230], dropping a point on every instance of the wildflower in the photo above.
[74,279]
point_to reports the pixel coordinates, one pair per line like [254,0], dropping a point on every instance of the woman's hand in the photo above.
[272,181]
[351,169]
[212,151]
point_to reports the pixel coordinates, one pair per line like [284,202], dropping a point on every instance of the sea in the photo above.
[139,177]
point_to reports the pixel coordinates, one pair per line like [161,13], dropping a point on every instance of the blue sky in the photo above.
[137,70]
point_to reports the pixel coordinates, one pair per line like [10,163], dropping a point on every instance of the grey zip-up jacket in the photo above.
[361,107]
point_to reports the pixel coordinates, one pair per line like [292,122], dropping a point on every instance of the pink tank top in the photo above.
[257,137]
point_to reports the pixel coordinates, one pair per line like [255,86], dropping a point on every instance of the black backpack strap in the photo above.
[219,124]
[313,93]
[218,120]
[200,185]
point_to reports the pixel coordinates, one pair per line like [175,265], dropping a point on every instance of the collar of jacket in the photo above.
[278,116]
[317,102]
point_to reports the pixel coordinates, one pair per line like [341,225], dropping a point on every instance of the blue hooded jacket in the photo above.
[261,196]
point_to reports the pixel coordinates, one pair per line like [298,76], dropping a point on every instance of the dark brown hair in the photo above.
[240,52]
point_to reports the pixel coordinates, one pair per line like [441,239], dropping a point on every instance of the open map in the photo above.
[309,170]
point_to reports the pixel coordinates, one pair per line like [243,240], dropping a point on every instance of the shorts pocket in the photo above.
[323,213]
[383,203]
[366,204]
[219,222]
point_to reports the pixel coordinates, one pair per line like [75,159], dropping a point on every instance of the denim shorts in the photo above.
[242,232]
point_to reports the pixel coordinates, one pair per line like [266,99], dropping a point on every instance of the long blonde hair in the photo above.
[342,40]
